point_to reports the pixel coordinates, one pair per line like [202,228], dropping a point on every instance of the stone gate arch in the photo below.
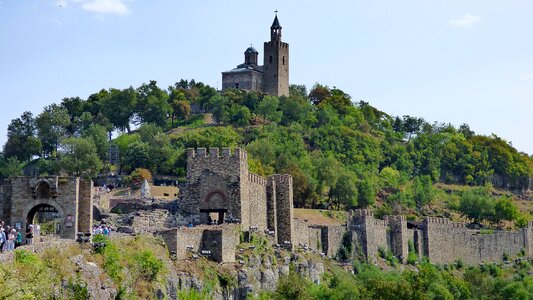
[70,197]
[32,208]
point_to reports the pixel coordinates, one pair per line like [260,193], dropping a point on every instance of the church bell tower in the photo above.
[276,63]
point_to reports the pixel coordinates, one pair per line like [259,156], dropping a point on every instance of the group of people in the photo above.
[101,229]
[11,238]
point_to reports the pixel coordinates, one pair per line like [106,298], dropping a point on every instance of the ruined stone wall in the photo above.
[271,207]
[332,239]
[314,233]
[417,237]
[398,236]
[85,207]
[371,233]
[300,232]
[284,208]
[150,221]
[185,242]
[257,195]
[446,242]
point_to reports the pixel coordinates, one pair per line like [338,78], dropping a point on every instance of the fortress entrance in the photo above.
[212,216]
[47,217]
[213,209]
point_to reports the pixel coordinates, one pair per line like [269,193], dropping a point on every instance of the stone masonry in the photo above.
[69,197]
[220,184]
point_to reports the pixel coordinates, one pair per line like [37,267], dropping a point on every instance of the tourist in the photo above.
[11,239]
[105,231]
[29,235]
[2,238]
[18,240]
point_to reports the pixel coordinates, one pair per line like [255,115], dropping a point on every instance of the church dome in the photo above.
[251,50]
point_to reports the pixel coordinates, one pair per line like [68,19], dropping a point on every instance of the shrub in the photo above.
[149,265]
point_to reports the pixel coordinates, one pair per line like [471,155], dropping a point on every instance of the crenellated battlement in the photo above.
[363,213]
[282,178]
[257,179]
[216,153]
[395,218]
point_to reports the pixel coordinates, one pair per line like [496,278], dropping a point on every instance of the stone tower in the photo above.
[276,63]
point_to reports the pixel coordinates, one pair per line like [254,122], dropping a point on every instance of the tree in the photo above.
[476,204]
[52,126]
[268,109]
[345,191]
[505,209]
[10,167]
[152,104]
[240,115]
[79,157]
[319,93]
[98,135]
[412,125]
[74,106]
[119,107]
[219,106]
[138,156]
[423,191]
[366,194]
[181,109]
[21,141]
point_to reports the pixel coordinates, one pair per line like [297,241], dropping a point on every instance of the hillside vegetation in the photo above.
[341,153]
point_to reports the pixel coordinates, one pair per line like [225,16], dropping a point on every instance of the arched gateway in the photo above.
[66,202]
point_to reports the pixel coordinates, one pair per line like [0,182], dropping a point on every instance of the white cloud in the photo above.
[465,21]
[117,7]
[106,7]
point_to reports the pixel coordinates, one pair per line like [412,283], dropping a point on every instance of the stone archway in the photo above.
[46,217]
[43,206]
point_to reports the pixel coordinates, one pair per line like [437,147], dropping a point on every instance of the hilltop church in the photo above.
[272,77]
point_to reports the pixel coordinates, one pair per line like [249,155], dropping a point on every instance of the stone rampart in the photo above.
[284,208]
[217,243]
[257,195]
[446,242]
[332,239]
[150,221]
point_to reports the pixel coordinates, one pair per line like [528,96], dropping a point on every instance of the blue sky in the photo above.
[450,61]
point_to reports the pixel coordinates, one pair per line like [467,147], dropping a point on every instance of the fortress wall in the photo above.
[446,242]
[398,236]
[372,233]
[284,208]
[300,232]
[85,207]
[271,207]
[220,240]
[416,236]
[315,238]
[150,221]
[222,172]
[257,195]
[332,239]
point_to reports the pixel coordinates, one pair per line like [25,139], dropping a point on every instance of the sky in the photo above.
[454,61]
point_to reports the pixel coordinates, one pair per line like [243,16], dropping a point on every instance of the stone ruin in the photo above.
[220,190]
[68,198]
